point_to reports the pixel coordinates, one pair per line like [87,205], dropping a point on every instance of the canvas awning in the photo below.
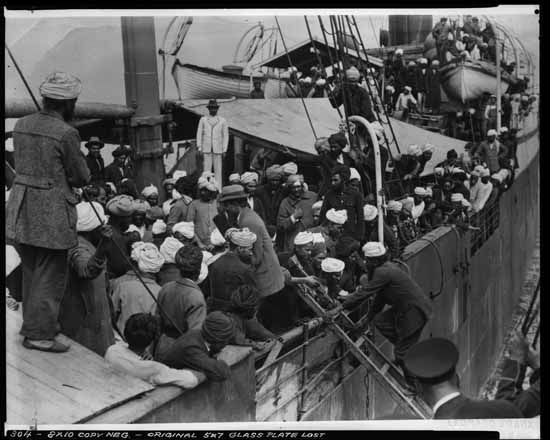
[282,124]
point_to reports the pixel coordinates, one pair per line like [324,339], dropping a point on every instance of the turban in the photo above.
[354,174]
[149,191]
[369,212]
[408,88]
[169,247]
[428,147]
[407,203]
[399,52]
[218,328]
[122,205]
[503,129]
[352,73]
[374,249]
[112,186]
[274,171]
[390,89]
[414,150]
[290,168]
[245,298]
[216,238]
[86,217]
[457,170]
[141,206]
[134,228]
[320,82]
[159,227]
[303,238]
[249,177]
[457,197]
[147,256]
[411,64]
[209,184]
[189,258]
[316,207]
[524,98]
[345,246]
[338,217]
[187,229]
[394,206]
[234,178]
[423,61]
[12,259]
[169,181]
[485,172]
[294,179]
[476,173]
[439,171]
[435,63]
[307,80]
[492,132]
[178,174]
[332,265]
[465,203]
[241,237]
[419,191]
[338,139]
[61,85]
[167,206]
[318,238]
[429,192]
[322,144]
[155,213]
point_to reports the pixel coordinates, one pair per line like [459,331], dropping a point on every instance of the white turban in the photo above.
[429,191]
[399,52]
[338,217]
[159,227]
[61,85]
[307,80]
[134,228]
[249,177]
[428,147]
[419,191]
[320,82]
[354,174]
[178,174]
[395,206]
[435,63]
[141,206]
[352,73]
[485,172]
[167,206]
[209,184]
[12,259]
[409,89]
[241,237]
[374,249]
[332,265]
[390,89]
[234,178]
[457,170]
[414,150]
[318,238]
[457,197]
[465,203]
[149,191]
[476,173]
[147,256]
[316,207]
[369,212]
[303,238]
[86,217]
[168,249]
[216,238]
[503,129]
[492,132]
[290,168]
[187,229]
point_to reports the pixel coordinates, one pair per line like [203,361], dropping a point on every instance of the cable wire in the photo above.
[22,77]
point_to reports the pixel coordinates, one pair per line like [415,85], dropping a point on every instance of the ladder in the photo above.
[366,352]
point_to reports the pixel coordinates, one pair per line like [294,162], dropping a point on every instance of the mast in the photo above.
[142,94]
[497,62]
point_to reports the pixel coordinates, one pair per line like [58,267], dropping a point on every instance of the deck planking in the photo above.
[36,382]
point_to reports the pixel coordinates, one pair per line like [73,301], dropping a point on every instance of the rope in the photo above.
[22,76]
[442,284]
[299,88]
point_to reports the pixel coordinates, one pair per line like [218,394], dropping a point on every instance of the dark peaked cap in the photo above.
[431,359]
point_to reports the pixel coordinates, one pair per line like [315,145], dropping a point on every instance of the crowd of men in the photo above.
[161,289]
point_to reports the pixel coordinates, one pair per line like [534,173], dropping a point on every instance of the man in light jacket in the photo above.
[212,140]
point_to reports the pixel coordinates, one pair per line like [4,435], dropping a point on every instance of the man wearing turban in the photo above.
[169,271]
[138,217]
[356,98]
[370,214]
[94,160]
[184,232]
[271,193]
[120,208]
[196,348]
[84,313]
[185,187]
[40,213]
[151,195]
[249,181]
[129,295]
[203,210]
[232,269]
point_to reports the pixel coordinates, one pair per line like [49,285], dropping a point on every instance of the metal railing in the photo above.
[487,220]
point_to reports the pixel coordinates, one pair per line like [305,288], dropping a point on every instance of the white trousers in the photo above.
[215,160]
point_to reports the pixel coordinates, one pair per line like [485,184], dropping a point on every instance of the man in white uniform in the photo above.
[212,140]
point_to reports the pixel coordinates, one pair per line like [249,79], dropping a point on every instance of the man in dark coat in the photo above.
[433,364]
[434,91]
[356,99]
[370,213]
[271,193]
[120,209]
[95,161]
[41,214]
[342,196]
[231,270]
[119,169]
[389,284]
[197,349]
[422,83]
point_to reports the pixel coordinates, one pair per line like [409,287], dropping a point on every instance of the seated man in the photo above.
[131,357]
[197,349]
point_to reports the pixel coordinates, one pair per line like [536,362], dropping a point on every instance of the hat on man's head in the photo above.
[218,328]
[394,206]
[354,174]
[399,52]
[187,229]
[431,360]
[61,86]
[369,212]
[491,132]
[94,140]
[274,171]
[420,191]
[241,237]
[232,192]
[121,205]
[435,63]
[249,177]
[332,265]
[303,238]
[316,207]
[353,73]
[338,217]
[290,168]
[374,249]
[213,104]
[120,151]
[89,218]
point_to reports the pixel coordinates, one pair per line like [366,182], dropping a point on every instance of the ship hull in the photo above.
[197,82]
[468,80]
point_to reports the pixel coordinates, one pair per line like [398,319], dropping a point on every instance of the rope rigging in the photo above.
[19,71]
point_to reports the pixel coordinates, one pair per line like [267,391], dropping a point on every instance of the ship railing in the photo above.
[486,223]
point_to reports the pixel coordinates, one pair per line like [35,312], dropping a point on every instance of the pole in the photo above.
[142,94]
[378,169]
[22,77]
[499,105]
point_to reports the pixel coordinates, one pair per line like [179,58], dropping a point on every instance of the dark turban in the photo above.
[345,246]
[343,171]
[189,259]
[338,139]
[218,328]
[245,298]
